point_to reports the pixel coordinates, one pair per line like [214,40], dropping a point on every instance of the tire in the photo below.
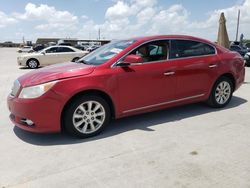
[32,63]
[247,63]
[75,59]
[82,120]
[221,93]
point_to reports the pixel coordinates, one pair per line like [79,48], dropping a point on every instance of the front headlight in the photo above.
[36,91]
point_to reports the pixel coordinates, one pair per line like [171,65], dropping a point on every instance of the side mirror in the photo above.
[43,53]
[131,60]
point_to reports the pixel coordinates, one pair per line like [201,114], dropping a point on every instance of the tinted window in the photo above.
[188,48]
[64,49]
[51,50]
[152,51]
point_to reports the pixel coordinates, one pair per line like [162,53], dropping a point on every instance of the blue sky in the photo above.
[118,18]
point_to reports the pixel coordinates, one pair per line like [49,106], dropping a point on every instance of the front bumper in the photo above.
[44,112]
[21,62]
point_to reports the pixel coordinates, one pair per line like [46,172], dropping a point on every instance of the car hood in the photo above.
[55,72]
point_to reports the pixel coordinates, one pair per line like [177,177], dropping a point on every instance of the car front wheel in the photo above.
[221,93]
[86,116]
[32,63]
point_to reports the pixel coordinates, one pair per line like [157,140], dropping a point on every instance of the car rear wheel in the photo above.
[221,93]
[86,116]
[32,63]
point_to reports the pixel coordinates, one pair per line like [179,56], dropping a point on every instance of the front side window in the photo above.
[152,51]
[188,48]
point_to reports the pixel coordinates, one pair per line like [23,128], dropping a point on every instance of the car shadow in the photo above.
[143,122]
[27,68]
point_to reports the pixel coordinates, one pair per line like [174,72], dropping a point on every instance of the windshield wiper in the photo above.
[82,61]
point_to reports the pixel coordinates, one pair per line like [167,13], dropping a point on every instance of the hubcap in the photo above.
[88,117]
[32,64]
[223,92]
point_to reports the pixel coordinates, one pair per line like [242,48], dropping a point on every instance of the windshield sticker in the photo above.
[116,50]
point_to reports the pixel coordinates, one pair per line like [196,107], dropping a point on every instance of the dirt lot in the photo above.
[190,146]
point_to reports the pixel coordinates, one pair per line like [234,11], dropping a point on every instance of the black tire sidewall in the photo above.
[70,109]
[212,98]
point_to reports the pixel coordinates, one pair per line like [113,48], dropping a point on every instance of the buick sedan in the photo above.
[124,78]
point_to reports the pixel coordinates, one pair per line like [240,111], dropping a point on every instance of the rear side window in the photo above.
[188,48]
[64,49]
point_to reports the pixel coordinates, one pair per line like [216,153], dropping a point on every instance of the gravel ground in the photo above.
[189,146]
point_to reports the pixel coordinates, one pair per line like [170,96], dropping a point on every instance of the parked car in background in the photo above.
[50,55]
[92,48]
[65,44]
[247,59]
[26,49]
[237,48]
[124,78]
[247,46]
[81,47]
[38,47]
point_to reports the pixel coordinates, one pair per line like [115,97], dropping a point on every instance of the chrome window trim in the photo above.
[161,104]
[166,39]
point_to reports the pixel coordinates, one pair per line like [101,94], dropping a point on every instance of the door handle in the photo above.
[213,66]
[169,73]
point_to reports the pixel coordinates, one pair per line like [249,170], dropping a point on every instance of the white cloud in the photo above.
[84,17]
[146,17]
[209,27]
[6,20]
[119,10]
[129,18]
[55,19]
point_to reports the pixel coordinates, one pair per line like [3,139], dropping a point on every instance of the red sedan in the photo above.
[124,78]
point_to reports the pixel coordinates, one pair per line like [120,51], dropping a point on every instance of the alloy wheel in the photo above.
[222,92]
[89,117]
[32,64]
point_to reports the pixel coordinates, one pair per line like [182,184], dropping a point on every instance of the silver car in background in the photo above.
[50,55]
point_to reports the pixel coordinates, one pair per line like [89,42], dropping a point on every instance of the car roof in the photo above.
[155,37]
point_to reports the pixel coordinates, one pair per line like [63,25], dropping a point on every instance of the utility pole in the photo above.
[99,34]
[238,23]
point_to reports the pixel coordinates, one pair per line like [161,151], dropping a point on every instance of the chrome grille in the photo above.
[15,88]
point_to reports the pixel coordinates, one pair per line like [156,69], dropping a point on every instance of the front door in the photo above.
[150,84]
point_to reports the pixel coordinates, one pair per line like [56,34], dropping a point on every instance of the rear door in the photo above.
[66,54]
[196,67]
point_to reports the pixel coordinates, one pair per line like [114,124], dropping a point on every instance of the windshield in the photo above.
[106,52]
